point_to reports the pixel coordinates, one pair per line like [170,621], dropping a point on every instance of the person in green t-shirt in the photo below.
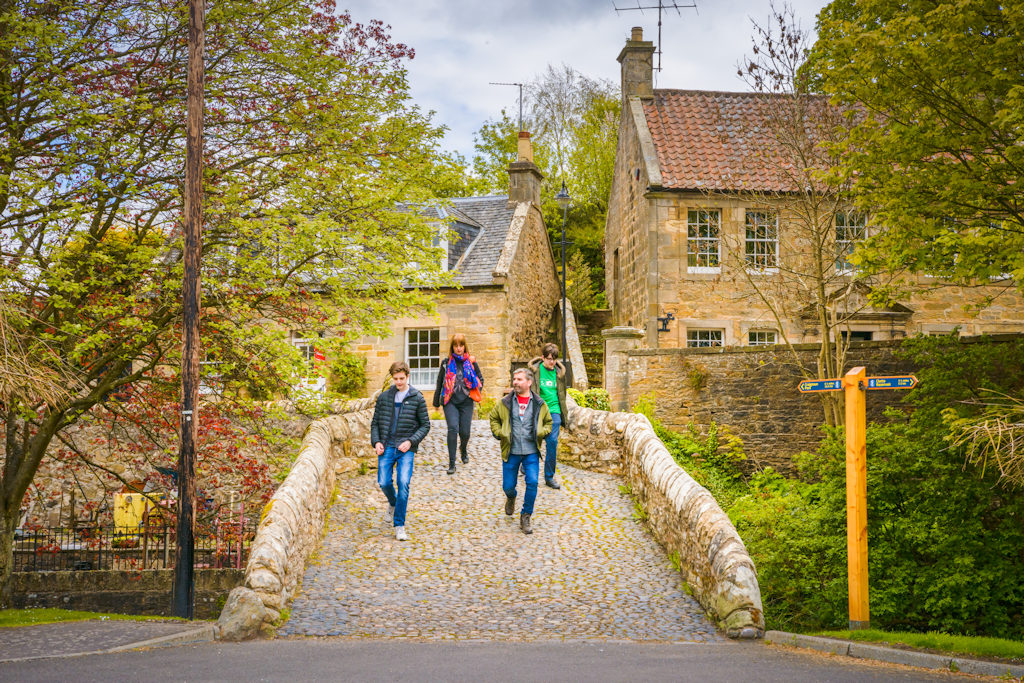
[549,383]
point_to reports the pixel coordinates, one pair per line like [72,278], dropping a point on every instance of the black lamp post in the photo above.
[563,203]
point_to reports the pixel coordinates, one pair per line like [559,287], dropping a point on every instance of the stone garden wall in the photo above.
[683,515]
[750,389]
[124,592]
[293,521]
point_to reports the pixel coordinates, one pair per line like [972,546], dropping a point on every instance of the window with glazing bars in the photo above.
[703,227]
[423,354]
[761,337]
[762,243]
[851,229]
[699,338]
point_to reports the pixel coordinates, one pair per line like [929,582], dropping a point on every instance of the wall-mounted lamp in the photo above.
[663,322]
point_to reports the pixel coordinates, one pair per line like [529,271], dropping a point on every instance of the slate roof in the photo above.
[707,140]
[484,221]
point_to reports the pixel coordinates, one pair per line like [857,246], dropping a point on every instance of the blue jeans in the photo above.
[510,475]
[551,446]
[395,459]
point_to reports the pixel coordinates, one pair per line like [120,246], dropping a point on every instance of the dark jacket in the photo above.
[413,423]
[440,378]
[501,422]
[563,405]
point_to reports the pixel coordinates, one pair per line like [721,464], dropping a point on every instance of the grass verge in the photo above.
[978,646]
[31,617]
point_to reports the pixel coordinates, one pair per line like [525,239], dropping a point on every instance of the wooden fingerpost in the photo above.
[857,496]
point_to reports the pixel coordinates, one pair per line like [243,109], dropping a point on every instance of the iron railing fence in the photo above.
[150,547]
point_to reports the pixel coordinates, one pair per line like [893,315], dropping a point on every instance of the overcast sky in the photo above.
[462,45]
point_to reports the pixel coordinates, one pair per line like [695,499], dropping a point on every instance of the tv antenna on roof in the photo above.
[662,5]
[520,101]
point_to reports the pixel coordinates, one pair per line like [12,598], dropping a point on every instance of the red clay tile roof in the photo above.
[715,141]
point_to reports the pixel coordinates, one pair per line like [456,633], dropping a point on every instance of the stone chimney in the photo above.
[523,175]
[637,60]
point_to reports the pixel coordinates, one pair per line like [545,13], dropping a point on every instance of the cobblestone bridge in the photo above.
[590,571]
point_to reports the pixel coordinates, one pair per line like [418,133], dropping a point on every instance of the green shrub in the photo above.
[598,399]
[945,541]
[347,375]
[485,408]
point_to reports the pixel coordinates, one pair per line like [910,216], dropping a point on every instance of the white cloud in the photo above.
[462,45]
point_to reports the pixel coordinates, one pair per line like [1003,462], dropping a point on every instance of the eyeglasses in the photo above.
[550,357]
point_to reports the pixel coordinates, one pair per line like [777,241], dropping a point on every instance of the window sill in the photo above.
[704,270]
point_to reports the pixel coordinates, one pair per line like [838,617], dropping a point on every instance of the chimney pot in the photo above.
[524,147]
[638,33]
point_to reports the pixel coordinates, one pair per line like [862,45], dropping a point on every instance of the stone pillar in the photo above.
[617,342]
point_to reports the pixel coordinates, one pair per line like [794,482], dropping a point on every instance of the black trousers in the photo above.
[458,413]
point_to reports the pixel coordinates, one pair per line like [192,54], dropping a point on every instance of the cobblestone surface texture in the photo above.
[588,572]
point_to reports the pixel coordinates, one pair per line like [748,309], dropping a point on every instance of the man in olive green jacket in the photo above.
[520,421]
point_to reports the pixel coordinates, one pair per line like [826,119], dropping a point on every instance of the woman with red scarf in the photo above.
[458,387]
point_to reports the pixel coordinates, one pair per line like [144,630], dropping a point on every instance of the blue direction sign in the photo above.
[894,382]
[809,385]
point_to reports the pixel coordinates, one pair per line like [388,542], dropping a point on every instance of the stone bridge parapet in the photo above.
[293,521]
[683,515]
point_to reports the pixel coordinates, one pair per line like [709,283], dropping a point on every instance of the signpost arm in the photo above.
[854,384]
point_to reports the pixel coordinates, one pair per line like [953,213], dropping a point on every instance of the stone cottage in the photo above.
[502,259]
[691,188]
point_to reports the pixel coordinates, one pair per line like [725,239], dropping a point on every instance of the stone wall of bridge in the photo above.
[683,516]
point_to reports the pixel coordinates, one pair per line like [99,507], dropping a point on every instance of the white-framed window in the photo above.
[310,382]
[762,240]
[423,354]
[761,337]
[698,338]
[703,240]
[851,230]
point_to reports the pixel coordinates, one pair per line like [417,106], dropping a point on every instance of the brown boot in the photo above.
[524,523]
[510,505]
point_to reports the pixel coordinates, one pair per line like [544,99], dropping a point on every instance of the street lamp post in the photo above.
[563,203]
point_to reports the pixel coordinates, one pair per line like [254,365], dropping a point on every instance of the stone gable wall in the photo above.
[626,230]
[533,288]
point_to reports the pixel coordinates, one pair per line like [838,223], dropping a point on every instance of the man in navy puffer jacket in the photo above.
[400,422]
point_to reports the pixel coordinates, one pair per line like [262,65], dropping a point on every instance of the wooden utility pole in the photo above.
[183,599]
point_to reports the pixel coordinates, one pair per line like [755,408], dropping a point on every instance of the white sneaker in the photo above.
[389,516]
[400,533]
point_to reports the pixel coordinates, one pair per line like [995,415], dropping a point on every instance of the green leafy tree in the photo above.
[573,121]
[793,136]
[311,141]
[937,156]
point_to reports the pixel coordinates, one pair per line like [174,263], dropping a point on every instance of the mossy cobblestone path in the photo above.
[588,572]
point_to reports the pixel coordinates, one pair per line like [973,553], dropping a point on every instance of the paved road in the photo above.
[588,572]
[82,636]
[333,659]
